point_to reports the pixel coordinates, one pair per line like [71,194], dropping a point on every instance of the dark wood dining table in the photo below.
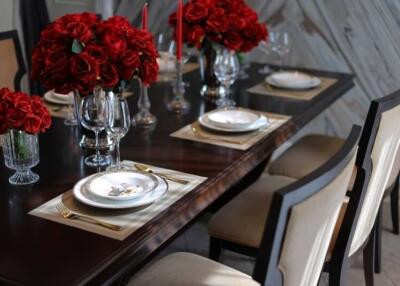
[35,251]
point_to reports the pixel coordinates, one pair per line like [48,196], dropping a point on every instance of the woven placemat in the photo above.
[130,219]
[264,88]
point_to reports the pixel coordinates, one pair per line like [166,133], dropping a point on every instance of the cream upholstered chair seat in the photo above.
[242,220]
[183,269]
[306,155]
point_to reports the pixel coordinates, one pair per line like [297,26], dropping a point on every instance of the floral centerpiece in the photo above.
[22,117]
[228,23]
[78,52]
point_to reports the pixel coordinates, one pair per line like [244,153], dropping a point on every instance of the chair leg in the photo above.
[368,260]
[215,249]
[394,207]
[378,241]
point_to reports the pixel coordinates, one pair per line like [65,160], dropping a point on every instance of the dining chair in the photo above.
[12,66]
[311,151]
[295,236]
[354,232]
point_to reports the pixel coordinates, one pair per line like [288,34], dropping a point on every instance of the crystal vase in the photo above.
[212,89]
[21,153]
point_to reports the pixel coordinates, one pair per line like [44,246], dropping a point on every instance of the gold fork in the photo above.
[67,213]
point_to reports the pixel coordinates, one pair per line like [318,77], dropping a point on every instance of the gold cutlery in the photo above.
[144,168]
[68,214]
[199,134]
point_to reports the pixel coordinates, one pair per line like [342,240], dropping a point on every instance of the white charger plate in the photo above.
[262,122]
[87,198]
[293,80]
[58,99]
[121,185]
[233,118]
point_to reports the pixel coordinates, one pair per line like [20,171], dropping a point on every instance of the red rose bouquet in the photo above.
[230,23]
[22,112]
[78,52]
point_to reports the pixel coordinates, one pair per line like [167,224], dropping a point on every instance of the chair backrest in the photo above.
[301,221]
[12,66]
[378,148]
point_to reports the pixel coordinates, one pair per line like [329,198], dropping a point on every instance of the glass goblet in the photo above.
[117,125]
[93,114]
[226,67]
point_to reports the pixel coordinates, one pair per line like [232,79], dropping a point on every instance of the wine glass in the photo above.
[117,124]
[226,68]
[279,42]
[93,117]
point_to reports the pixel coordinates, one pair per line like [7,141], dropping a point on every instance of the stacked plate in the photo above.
[293,80]
[233,120]
[120,189]
[58,98]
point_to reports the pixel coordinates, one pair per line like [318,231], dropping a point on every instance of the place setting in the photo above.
[234,127]
[118,202]
[292,84]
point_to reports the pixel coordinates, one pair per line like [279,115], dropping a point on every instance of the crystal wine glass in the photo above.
[117,125]
[279,42]
[93,116]
[226,67]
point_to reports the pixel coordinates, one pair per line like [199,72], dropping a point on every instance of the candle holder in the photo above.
[179,104]
[144,118]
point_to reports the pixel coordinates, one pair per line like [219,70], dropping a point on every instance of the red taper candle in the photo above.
[144,17]
[179,33]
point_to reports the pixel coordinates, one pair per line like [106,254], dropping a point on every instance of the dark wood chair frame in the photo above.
[13,34]
[266,270]
[340,261]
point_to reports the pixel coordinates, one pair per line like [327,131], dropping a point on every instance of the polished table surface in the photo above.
[35,251]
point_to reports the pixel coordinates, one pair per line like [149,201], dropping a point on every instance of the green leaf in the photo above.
[77,46]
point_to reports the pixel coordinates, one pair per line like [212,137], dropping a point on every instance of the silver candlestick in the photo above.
[144,118]
[179,104]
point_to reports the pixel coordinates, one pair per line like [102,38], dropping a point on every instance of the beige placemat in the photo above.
[235,141]
[63,111]
[130,219]
[266,89]
[165,77]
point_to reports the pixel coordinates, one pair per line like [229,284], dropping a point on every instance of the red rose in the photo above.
[196,12]
[3,124]
[117,21]
[23,104]
[96,52]
[253,33]
[84,68]
[56,60]
[195,35]
[148,71]
[217,22]
[249,15]
[14,118]
[129,63]
[109,75]
[32,123]
[114,45]
[236,22]
[79,31]
[233,41]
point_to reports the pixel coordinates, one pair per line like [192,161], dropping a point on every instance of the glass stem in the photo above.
[144,102]
[97,146]
[117,152]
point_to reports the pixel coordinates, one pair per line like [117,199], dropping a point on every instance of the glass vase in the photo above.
[21,153]
[212,89]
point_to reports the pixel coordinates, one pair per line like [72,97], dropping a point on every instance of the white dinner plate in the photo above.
[233,118]
[87,198]
[121,185]
[293,80]
[261,122]
[57,98]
